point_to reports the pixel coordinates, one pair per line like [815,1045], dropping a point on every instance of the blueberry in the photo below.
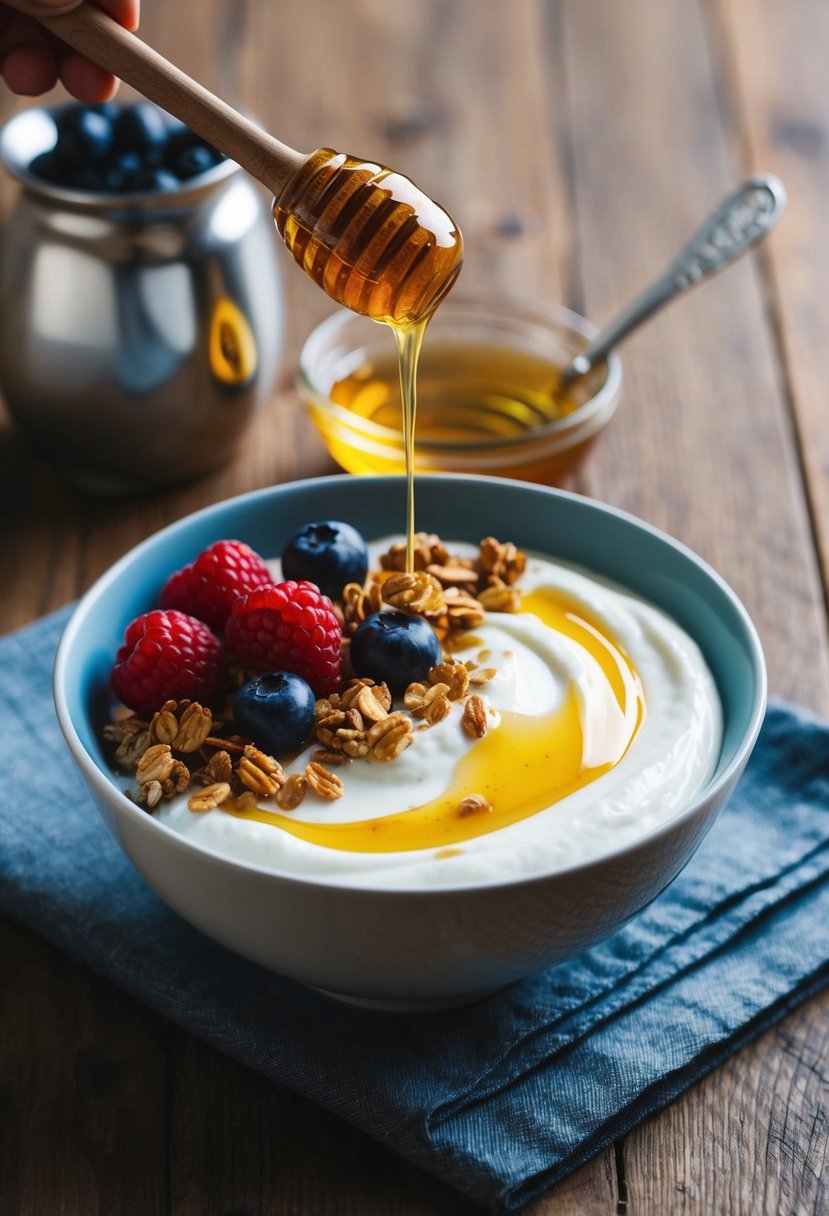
[276,711]
[154,157]
[83,136]
[46,166]
[329,553]
[85,177]
[141,128]
[160,180]
[194,160]
[109,109]
[175,127]
[123,171]
[186,154]
[394,647]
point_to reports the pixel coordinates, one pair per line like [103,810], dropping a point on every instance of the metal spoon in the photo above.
[741,220]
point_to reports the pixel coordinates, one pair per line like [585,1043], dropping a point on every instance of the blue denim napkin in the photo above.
[500,1099]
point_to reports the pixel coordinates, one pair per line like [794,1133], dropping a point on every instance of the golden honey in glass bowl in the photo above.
[488,398]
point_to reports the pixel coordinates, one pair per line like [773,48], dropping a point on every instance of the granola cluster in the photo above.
[183,747]
[360,722]
[452,593]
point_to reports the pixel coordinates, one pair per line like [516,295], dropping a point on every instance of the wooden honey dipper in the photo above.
[368,236]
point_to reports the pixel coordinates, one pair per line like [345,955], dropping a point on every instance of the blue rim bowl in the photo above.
[413,948]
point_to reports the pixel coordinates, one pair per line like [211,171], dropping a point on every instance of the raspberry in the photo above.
[207,587]
[168,656]
[288,626]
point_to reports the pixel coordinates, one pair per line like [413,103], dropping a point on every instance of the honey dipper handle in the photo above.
[100,38]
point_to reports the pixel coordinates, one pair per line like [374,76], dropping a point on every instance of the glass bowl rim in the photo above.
[590,412]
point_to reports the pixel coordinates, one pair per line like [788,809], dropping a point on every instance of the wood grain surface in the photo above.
[578,144]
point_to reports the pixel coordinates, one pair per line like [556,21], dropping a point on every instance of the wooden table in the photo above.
[578,144]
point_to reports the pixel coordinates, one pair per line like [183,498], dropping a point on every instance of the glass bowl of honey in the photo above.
[488,393]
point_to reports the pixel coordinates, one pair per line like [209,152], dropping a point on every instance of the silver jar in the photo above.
[139,334]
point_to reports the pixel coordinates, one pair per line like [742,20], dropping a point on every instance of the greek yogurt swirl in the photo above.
[641,705]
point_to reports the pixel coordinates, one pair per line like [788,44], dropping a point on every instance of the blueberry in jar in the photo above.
[46,166]
[187,155]
[84,136]
[116,149]
[159,180]
[122,171]
[109,109]
[141,128]
[198,158]
[85,177]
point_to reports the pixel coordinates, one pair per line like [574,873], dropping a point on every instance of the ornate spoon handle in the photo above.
[741,220]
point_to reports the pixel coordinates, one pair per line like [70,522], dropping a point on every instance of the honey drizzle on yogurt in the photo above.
[524,765]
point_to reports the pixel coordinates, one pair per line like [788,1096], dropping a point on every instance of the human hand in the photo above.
[32,60]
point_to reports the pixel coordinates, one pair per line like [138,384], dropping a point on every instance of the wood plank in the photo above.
[597,1189]
[83,1069]
[775,1098]
[41,534]
[753,1137]
[703,447]
[83,1080]
[241,1143]
[406,86]
[774,59]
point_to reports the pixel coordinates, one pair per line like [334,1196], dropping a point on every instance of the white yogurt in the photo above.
[669,761]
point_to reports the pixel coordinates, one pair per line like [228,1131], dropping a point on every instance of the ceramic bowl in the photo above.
[413,948]
[493,421]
